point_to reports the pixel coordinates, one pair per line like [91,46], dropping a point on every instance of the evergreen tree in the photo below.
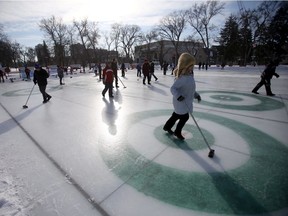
[229,40]
[277,32]
[245,39]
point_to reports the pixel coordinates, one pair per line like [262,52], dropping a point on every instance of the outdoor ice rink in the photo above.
[84,155]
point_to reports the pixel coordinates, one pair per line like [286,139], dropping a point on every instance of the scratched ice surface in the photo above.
[82,154]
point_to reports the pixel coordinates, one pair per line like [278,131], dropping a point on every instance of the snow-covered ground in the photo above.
[81,154]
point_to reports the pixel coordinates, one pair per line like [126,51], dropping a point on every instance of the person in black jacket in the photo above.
[152,70]
[40,78]
[266,77]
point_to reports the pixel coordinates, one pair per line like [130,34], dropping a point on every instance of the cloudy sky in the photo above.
[20,18]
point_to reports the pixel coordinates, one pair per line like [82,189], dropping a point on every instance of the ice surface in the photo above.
[81,154]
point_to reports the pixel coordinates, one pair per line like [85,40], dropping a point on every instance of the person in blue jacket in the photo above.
[183,91]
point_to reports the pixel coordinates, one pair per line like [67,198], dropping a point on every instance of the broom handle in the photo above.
[197,126]
[30,94]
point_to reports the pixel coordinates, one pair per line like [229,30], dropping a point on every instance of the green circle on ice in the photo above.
[257,186]
[226,98]
[239,101]
[194,142]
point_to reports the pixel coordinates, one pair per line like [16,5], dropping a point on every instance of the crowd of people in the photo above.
[183,89]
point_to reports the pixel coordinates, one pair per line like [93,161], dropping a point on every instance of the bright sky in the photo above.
[21,17]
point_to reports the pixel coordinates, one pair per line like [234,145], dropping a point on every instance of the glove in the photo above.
[180,98]
[198,98]
[35,82]
[277,75]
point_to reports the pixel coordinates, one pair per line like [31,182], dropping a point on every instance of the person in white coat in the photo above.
[183,90]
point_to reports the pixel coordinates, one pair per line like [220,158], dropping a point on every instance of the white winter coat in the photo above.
[183,86]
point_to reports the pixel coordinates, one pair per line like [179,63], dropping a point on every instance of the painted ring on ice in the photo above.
[239,101]
[258,186]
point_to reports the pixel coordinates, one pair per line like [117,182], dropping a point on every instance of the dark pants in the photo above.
[61,79]
[43,92]
[138,73]
[172,120]
[267,83]
[152,74]
[108,86]
[144,78]
[116,79]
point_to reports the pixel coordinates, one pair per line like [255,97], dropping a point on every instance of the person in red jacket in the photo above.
[108,78]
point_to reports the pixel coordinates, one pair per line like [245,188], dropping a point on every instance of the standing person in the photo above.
[108,78]
[100,71]
[40,78]
[27,72]
[7,71]
[152,70]
[60,73]
[95,70]
[183,90]
[146,72]
[65,70]
[2,75]
[123,69]
[266,77]
[114,67]
[138,70]
[165,67]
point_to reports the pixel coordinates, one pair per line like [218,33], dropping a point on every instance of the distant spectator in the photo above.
[114,67]
[165,67]
[65,70]
[123,69]
[27,72]
[152,70]
[95,70]
[7,71]
[146,72]
[2,76]
[60,73]
[138,67]
[100,71]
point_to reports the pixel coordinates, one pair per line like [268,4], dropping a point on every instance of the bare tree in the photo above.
[108,40]
[129,35]
[115,35]
[148,38]
[30,53]
[15,52]
[82,28]
[171,28]
[199,18]
[56,31]
[261,18]
[72,40]
[88,33]
[93,35]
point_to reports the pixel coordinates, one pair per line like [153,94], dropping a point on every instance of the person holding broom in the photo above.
[40,78]
[183,91]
